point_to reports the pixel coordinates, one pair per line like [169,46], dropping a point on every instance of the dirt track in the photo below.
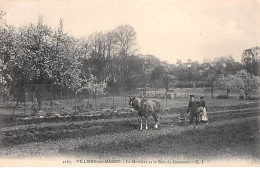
[70,138]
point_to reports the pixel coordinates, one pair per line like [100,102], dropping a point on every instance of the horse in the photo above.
[145,108]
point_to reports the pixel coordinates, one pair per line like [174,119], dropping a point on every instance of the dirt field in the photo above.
[232,133]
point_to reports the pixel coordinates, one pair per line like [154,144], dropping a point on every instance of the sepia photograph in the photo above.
[130,83]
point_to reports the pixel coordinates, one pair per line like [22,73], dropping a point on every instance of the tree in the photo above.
[247,82]
[7,52]
[92,86]
[225,65]
[178,62]
[167,79]
[126,46]
[134,73]
[251,60]
[40,55]
[2,21]
[108,54]
[226,82]
[158,72]
[126,40]
[211,79]
[98,54]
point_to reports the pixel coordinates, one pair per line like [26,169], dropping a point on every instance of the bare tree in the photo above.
[126,45]
[126,40]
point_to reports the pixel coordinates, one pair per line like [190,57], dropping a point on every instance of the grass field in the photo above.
[213,142]
[232,133]
[229,135]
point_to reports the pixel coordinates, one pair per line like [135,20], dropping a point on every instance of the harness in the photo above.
[147,109]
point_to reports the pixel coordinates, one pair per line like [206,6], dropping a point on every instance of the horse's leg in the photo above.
[141,121]
[141,125]
[156,125]
[146,126]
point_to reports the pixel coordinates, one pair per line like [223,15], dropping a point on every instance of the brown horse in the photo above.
[145,108]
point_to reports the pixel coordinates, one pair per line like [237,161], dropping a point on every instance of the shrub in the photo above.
[241,97]
[222,97]
[253,97]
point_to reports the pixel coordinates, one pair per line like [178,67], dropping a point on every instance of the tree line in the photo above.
[104,62]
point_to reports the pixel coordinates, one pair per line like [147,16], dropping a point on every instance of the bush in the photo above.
[222,97]
[241,97]
[253,97]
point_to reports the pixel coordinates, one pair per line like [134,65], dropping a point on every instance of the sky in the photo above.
[168,29]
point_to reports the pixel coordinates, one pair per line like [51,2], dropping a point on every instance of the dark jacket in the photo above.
[202,104]
[193,106]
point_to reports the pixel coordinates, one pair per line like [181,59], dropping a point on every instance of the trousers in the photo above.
[196,115]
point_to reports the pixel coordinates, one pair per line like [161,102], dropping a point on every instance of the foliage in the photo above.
[92,86]
[211,79]
[106,61]
[251,60]
[241,97]
[226,65]
[247,82]
[37,54]
[226,82]
[167,79]
[222,97]
[253,97]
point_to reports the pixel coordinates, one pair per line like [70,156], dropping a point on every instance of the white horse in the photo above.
[145,108]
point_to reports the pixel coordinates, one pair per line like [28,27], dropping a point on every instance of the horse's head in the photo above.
[131,101]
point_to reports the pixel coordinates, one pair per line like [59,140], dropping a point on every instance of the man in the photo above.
[193,109]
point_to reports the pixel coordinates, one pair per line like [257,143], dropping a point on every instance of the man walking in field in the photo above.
[193,109]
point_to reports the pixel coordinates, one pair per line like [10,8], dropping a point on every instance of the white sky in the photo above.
[168,29]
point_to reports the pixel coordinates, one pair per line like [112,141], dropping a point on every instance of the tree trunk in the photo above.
[228,91]
[39,99]
[246,95]
[17,101]
[212,92]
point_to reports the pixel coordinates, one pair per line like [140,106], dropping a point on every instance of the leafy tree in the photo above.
[7,52]
[40,55]
[167,79]
[225,65]
[158,72]
[247,82]
[92,86]
[226,82]
[251,60]
[134,72]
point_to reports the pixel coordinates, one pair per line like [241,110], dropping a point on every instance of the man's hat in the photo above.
[191,96]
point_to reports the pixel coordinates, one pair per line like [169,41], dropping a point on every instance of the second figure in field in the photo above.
[203,110]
